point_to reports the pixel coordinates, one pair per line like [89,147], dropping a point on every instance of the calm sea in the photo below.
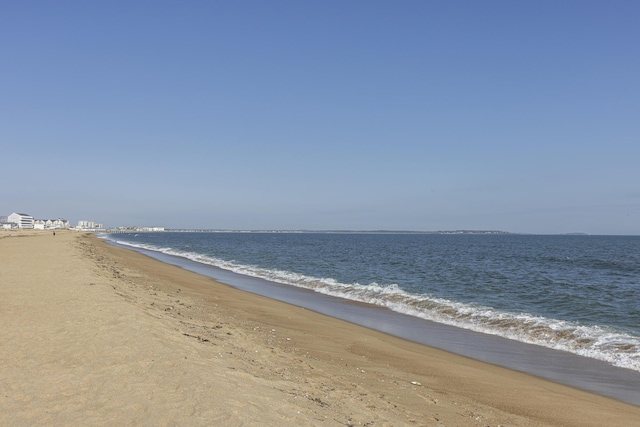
[574,293]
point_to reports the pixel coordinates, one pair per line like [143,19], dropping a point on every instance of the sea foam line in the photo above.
[598,342]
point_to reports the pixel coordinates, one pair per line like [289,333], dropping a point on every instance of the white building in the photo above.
[23,220]
[152,229]
[89,225]
[51,224]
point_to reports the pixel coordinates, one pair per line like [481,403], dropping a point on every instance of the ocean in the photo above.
[575,293]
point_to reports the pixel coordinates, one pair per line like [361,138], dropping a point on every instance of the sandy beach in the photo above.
[92,334]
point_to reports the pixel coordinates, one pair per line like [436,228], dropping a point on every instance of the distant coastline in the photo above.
[208,230]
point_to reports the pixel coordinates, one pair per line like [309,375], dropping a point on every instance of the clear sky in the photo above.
[521,116]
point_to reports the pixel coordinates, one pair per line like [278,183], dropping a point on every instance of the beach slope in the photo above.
[92,334]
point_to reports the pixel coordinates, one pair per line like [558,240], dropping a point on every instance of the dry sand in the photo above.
[92,334]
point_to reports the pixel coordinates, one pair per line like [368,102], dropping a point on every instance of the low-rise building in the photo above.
[151,229]
[50,224]
[89,225]
[57,223]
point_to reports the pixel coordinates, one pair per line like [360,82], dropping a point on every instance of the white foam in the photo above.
[616,347]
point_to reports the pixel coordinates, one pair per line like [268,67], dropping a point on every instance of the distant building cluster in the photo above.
[17,221]
[21,220]
[25,221]
[89,225]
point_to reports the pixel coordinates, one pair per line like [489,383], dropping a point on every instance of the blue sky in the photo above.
[399,115]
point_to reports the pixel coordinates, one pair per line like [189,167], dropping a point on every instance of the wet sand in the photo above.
[92,334]
[558,366]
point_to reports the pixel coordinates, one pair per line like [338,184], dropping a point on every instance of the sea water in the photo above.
[579,294]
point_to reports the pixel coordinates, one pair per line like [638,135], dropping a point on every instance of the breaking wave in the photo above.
[615,346]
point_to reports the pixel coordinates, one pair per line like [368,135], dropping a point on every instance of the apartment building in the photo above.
[21,219]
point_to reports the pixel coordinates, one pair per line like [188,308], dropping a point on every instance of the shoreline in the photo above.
[555,365]
[105,335]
